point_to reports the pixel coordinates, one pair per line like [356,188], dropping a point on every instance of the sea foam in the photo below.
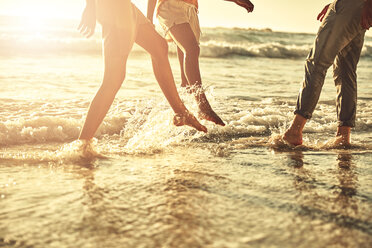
[148,124]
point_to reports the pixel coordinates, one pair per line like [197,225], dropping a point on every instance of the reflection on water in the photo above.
[297,159]
[348,183]
[331,204]
[185,204]
[286,199]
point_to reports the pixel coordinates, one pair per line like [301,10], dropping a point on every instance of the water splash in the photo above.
[276,142]
[151,129]
[78,151]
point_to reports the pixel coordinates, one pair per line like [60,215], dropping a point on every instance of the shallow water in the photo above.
[217,197]
[146,183]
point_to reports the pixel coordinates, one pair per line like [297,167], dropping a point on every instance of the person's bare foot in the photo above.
[186,118]
[88,150]
[206,112]
[293,135]
[343,136]
[341,141]
[210,115]
[293,138]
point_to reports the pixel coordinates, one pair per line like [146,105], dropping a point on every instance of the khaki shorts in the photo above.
[120,20]
[174,12]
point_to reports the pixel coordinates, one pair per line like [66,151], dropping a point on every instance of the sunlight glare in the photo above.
[35,17]
[35,24]
[37,11]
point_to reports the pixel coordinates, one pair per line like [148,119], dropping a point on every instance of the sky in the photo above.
[279,15]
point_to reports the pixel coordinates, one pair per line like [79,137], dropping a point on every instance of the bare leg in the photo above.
[157,47]
[294,134]
[114,74]
[181,59]
[186,41]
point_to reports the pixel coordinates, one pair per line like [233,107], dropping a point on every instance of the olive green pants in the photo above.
[339,42]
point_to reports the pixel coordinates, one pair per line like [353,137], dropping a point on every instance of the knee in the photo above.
[316,67]
[163,46]
[162,50]
[317,62]
[192,51]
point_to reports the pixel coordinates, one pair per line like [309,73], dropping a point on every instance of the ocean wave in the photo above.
[47,129]
[216,49]
[367,50]
[215,43]
[267,50]
[148,125]
[38,130]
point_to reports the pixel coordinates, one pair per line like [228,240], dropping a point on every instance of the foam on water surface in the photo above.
[147,124]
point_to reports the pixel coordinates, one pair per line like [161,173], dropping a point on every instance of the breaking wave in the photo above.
[59,38]
[144,125]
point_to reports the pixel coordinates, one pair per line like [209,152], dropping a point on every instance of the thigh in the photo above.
[184,37]
[339,28]
[150,40]
[354,48]
[345,65]
[117,43]
[119,27]
[119,13]
[146,35]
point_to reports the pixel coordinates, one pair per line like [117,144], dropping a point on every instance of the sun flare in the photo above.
[35,11]
[42,9]
[35,24]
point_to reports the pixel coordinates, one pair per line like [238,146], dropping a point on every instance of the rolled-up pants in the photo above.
[339,42]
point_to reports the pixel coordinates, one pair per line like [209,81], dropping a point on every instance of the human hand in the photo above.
[88,21]
[366,20]
[245,4]
[323,13]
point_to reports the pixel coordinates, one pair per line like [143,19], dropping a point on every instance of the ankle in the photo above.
[343,130]
[294,130]
[344,133]
[297,125]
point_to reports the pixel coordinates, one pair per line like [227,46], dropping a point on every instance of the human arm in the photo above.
[88,19]
[244,3]
[366,20]
[323,13]
[150,9]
